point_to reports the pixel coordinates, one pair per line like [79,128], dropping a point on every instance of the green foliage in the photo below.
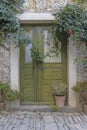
[81,88]
[72,19]
[35,53]
[8,93]
[8,21]
[54,108]
[53,51]
[12,95]
[59,89]
[10,28]
[3,86]
[80,1]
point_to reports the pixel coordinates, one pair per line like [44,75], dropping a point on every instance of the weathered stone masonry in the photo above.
[4,64]
[81,66]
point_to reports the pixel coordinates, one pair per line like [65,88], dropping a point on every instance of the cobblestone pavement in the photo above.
[25,120]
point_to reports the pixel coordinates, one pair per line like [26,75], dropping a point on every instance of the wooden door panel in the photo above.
[52,74]
[47,92]
[28,74]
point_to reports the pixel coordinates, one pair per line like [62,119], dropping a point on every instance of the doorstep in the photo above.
[33,108]
[44,108]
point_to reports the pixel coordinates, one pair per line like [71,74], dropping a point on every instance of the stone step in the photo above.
[33,108]
[45,108]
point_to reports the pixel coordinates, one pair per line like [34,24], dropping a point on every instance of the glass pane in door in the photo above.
[28,57]
[49,49]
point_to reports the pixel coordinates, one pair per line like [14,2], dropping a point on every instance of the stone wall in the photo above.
[43,5]
[4,64]
[81,65]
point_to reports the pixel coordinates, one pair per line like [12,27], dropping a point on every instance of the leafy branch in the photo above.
[71,20]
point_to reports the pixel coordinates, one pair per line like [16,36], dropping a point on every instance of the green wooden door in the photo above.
[36,80]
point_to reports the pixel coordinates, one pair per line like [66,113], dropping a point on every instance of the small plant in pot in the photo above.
[59,92]
[12,98]
[81,89]
[7,94]
[3,87]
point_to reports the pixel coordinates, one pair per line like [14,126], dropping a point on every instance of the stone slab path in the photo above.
[25,120]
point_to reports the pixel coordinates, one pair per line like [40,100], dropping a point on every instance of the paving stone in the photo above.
[60,126]
[31,123]
[10,127]
[68,114]
[75,119]
[66,121]
[5,121]
[5,127]
[42,125]
[38,123]
[71,127]
[48,119]
[78,118]
[15,128]
[2,119]
[18,122]
[70,119]
[14,122]
[65,127]
[82,118]
[85,116]
[23,127]
[24,120]
[78,126]
[60,119]
[51,126]
[38,128]
[1,128]
[84,125]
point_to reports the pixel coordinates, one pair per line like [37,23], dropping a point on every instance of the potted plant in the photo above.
[12,98]
[81,89]
[3,87]
[7,95]
[59,92]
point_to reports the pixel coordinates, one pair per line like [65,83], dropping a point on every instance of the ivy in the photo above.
[71,20]
[11,30]
[10,27]
[35,54]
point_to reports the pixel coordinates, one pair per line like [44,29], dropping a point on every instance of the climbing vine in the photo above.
[71,20]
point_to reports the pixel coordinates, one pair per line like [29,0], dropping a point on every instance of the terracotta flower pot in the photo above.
[60,100]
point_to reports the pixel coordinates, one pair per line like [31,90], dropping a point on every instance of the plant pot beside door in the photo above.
[60,100]
[59,92]
[12,98]
[84,100]
[2,98]
[7,95]
[81,89]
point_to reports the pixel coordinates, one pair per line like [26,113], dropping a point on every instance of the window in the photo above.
[49,49]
